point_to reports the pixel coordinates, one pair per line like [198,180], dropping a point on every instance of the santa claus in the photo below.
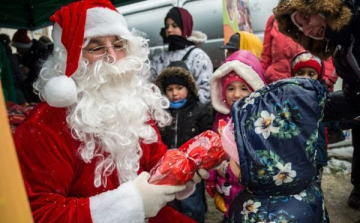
[81,150]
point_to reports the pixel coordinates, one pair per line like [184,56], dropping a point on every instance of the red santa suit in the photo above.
[58,182]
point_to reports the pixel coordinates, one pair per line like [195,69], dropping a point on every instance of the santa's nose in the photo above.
[111,56]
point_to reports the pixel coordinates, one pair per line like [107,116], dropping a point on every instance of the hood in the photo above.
[243,63]
[283,115]
[177,71]
[197,37]
[335,12]
[251,42]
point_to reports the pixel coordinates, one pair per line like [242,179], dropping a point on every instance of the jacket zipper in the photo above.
[176,127]
[327,45]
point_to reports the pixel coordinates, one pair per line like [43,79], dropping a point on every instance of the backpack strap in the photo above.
[187,54]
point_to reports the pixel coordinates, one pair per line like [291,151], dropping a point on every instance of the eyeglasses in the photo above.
[103,50]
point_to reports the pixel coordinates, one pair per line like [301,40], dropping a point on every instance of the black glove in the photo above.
[163,35]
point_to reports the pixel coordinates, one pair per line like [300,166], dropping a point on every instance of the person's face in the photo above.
[229,52]
[307,72]
[172,28]
[176,92]
[110,47]
[235,91]
[311,25]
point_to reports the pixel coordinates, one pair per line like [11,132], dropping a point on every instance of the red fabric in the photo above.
[169,215]
[58,182]
[71,19]
[278,52]
[229,78]
[309,63]
[178,166]
[187,22]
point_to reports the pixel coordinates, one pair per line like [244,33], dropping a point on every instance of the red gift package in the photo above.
[174,168]
[204,151]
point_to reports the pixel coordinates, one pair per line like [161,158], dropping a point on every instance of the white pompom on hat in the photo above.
[72,24]
[60,91]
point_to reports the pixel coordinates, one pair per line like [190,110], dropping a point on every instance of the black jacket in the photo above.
[33,60]
[190,120]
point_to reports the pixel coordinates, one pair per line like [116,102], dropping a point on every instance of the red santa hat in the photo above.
[21,39]
[72,24]
[306,59]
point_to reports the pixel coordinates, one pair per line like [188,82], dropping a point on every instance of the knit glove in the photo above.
[201,174]
[154,197]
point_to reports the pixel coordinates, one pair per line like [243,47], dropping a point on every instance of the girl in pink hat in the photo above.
[240,75]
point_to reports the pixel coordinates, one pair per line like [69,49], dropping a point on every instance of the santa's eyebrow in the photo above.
[102,42]
[97,41]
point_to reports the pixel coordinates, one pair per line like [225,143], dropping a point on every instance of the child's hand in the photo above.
[199,175]
[222,168]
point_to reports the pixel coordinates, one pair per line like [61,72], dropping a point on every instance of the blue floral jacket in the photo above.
[276,131]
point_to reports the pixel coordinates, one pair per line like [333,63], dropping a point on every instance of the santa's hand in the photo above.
[201,174]
[154,197]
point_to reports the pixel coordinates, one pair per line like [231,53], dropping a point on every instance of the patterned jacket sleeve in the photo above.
[156,66]
[201,68]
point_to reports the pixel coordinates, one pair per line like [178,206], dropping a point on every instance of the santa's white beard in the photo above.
[115,103]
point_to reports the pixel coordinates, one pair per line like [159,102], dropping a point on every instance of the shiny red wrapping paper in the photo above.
[178,166]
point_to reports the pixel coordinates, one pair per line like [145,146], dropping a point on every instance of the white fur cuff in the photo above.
[122,205]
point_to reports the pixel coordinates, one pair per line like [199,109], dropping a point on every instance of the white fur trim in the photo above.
[60,92]
[197,37]
[56,36]
[123,204]
[292,16]
[104,22]
[244,71]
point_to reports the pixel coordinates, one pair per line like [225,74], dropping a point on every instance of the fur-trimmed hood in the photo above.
[336,13]
[177,71]
[243,63]
[197,37]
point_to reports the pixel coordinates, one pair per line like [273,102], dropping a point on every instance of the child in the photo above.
[235,79]
[275,132]
[306,65]
[190,118]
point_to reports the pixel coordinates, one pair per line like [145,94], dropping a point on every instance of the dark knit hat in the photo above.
[21,39]
[5,39]
[177,73]
[182,18]
[234,42]
[176,79]
[174,14]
